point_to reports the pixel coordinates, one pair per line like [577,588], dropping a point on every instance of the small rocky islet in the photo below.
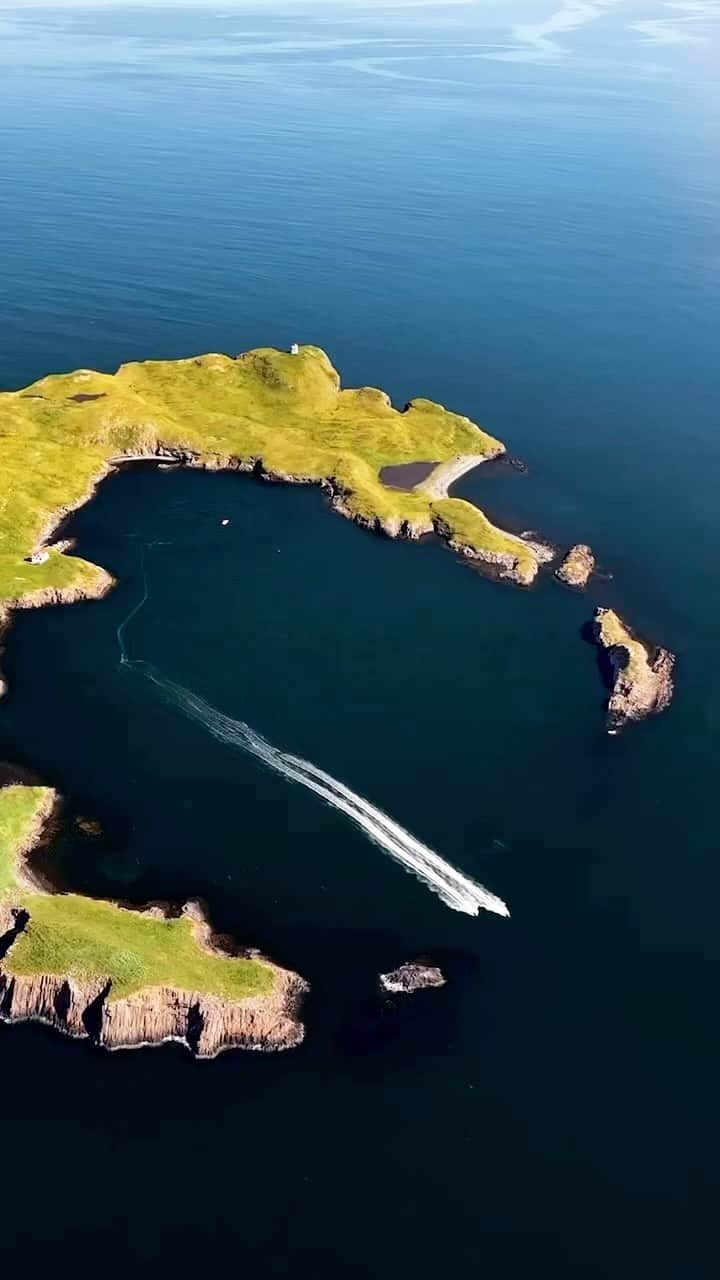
[124,977]
[642,674]
[411,977]
[577,566]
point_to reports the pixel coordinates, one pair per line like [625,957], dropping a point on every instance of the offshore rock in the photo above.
[642,674]
[577,567]
[412,977]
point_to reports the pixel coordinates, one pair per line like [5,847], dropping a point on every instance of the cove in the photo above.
[470,711]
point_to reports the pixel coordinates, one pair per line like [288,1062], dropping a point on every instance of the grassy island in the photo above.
[150,974]
[92,967]
[284,415]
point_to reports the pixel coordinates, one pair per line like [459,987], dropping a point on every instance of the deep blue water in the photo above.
[525,227]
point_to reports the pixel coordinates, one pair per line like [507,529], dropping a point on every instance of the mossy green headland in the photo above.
[154,975]
[64,951]
[284,415]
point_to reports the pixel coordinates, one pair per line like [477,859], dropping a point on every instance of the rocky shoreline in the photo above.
[206,1025]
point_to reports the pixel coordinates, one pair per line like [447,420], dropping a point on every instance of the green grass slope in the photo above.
[71,936]
[286,411]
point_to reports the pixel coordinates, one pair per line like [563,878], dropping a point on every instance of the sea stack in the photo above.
[577,566]
[412,977]
[642,673]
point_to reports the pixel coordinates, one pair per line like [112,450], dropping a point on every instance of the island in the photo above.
[125,978]
[577,566]
[641,674]
[99,969]
[105,971]
[282,415]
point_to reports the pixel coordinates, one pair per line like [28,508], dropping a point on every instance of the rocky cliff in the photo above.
[123,977]
[206,1024]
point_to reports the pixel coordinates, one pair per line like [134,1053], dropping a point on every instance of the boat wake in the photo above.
[120,633]
[456,890]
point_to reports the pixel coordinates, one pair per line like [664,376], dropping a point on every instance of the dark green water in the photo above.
[535,243]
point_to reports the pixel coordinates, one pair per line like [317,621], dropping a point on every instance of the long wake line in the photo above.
[120,633]
[456,890]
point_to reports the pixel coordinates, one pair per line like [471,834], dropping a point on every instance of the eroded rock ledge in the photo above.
[642,674]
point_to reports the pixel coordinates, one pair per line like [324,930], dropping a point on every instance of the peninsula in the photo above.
[282,415]
[92,968]
[125,978]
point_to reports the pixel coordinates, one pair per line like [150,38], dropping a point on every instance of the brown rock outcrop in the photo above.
[520,569]
[577,567]
[412,977]
[642,674]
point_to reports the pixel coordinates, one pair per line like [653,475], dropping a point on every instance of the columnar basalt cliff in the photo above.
[642,674]
[126,978]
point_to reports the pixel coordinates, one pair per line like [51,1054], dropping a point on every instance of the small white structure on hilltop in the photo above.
[38,557]
[295,349]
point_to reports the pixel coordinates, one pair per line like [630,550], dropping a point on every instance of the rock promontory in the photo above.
[642,674]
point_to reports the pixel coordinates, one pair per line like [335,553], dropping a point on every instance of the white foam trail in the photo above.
[456,890]
[120,633]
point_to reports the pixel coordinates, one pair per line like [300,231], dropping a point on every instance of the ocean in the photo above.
[513,211]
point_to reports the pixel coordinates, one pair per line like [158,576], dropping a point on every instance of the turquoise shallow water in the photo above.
[533,241]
